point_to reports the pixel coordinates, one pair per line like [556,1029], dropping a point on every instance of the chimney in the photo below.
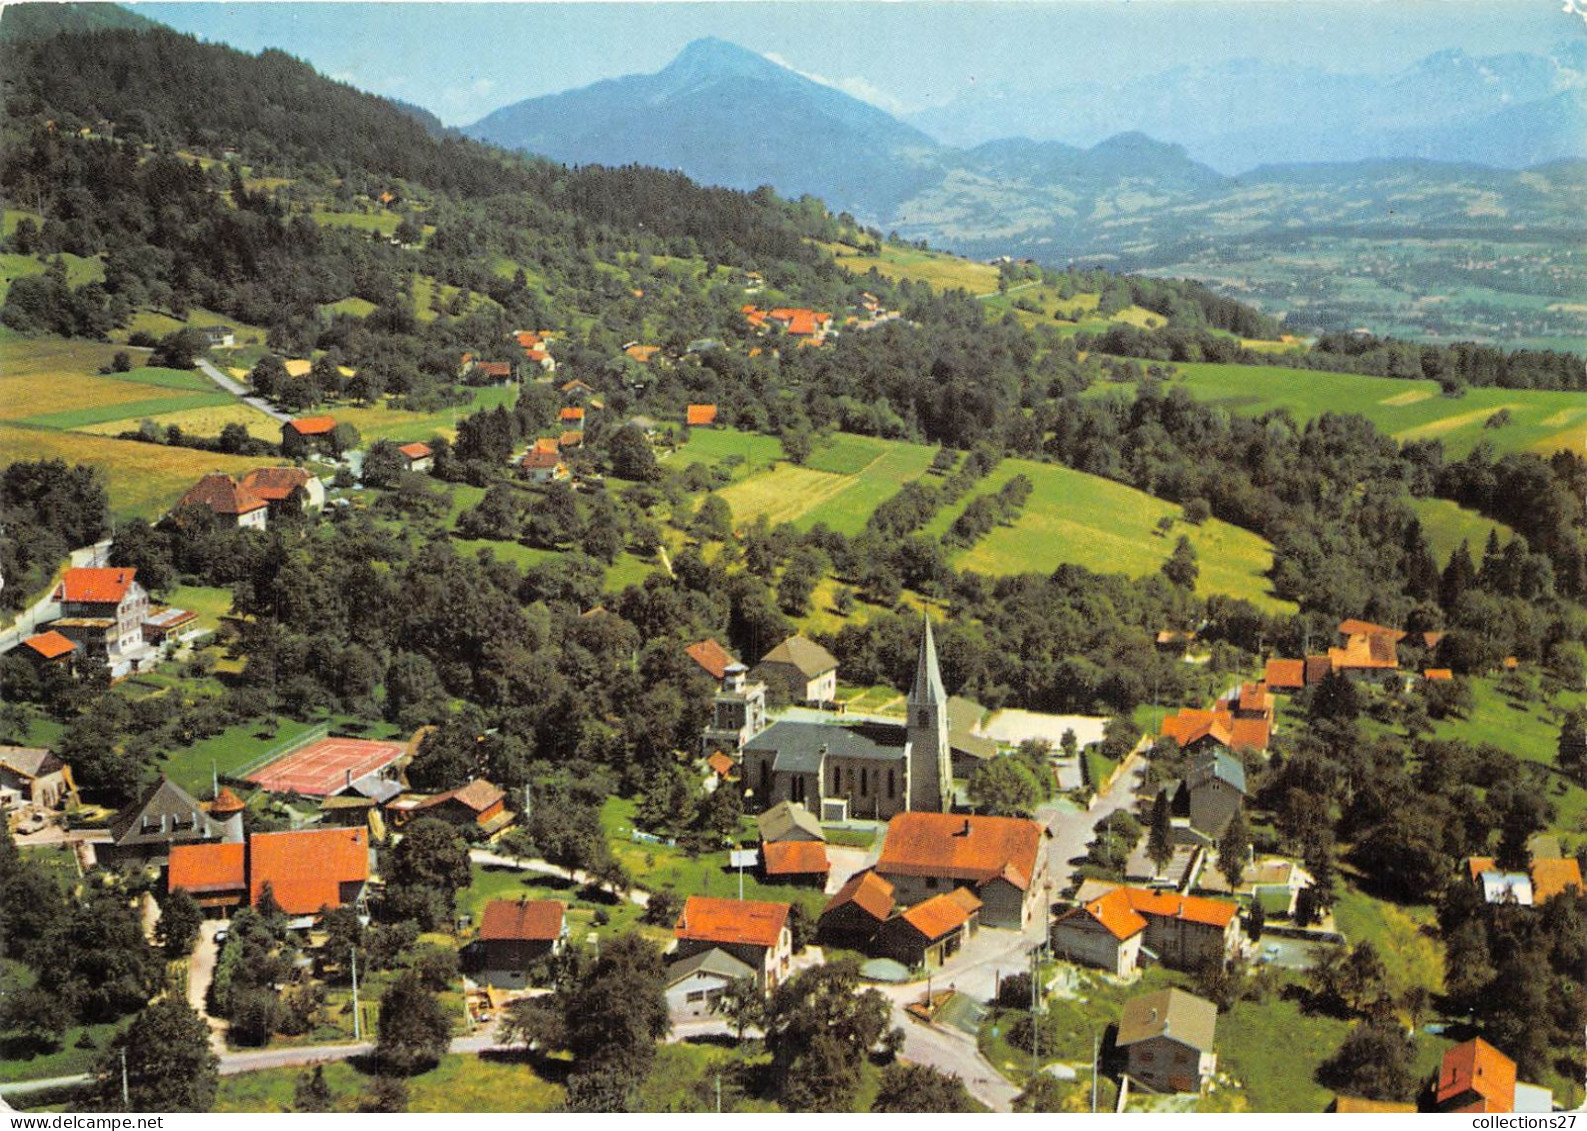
[349,776]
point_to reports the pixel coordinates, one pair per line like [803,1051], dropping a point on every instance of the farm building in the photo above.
[162,817]
[1168,1038]
[1002,859]
[308,434]
[513,936]
[305,871]
[286,488]
[417,457]
[229,501]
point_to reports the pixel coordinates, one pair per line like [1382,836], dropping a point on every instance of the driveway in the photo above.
[239,390]
[546,868]
[200,972]
[1072,832]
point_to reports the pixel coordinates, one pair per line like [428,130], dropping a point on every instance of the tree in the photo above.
[1571,752]
[631,455]
[431,863]
[414,1029]
[386,1094]
[1234,849]
[713,522]
[312,1093]
[180,920]
[1160,839]
[723,810]
[169,1064]
[743,1004]
[920,1088]
[383,464]
[1181,569]
[1374,1062]
[615,1014]
[819,1031]
[1002,787]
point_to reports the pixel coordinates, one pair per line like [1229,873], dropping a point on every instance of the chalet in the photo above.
[1366,650]
[1211,793]
[931,932]
[856,913]
[713,659]
[1167,1038]
[478,806]
[33,776]
[753,932]
[306,871]
[1474,1078]
[543,467]
[572,417]
[229,501]
[1203,731]
[49,648]
[1105,932]
[1003,859]
[513,936]
[219,337]
[738,710]
[807,672]
[417,457]
[700,416]
[308,434]
[802,862]
[164,816]
[696,984]
[1285,675]
[787,821]
[286,488]
[576,389]
[102,610]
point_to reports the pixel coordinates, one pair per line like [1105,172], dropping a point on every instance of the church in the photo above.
[871,769]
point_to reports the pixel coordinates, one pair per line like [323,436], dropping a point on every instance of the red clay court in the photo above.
[324,766]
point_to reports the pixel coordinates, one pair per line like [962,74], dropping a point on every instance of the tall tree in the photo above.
[1160,840]
[920,1088]
[820,1027]
[414,1029]
[1234,849]
[1374,1062]
[169,1063]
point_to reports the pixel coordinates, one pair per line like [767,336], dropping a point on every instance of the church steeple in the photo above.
[930,763]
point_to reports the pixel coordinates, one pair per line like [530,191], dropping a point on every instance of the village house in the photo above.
[50,647]
[695,984]
[1474,1078]
[805,671]
[1105,932]
[1285,675]
[543,467]
[931,932]
[738,710]
[1201,731]
[1002,859]
[229,501]
[1167,1038]
[490,373]
[713,659]
[286,488]
[308,434]
[753,932]
[417,457]
[572,417]
[164,816]
[219,337]
[305,871]
[477,807]
[787,821]
[1210,794]
[33,776]
[700,416]
[576,389]
[102,610]
[641,353]
[513,936]
[1547,877]
[854,915]
[1180,931]
[567,441]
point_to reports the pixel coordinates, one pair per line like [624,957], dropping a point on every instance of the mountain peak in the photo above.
[718,58]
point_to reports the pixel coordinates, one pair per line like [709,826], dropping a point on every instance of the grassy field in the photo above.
[209,603]
[201,421]
[717,445]
[79,270]
[1542,422]
[945,272]
[1273,1048]
[357,307]
[1105,526]
[131,411]
[874,471]
[1405,936]
[1448,524]
[458,1083]
[382,422]
[159,323]
[383,222]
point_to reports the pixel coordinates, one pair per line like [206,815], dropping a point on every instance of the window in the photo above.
[931,883]
[892,784]
[864,781]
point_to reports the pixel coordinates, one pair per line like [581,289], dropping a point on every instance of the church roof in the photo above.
[799,746]
[928,676]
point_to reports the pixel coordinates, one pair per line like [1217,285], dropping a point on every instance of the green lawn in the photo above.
[872,471]
[1405,936]
[1407,410]
[69,1060]
[130,411]
[79,270]
[1448,524]
[1273,1049]
[383,422]
[492,883]
[383,222]
[1105,526]
[188,379]
[457,1084]
[236,746]
[208,602]
[712,446]
[357,307]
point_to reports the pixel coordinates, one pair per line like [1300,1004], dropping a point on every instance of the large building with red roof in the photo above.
[102,610]
[515,934]
[1116,928]
[1003,860]
[230,502]
[753,932]
[305,870]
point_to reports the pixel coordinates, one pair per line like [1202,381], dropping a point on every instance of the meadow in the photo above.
[1448,524]
[1541,422]
[1107,527]
[201,421]
[713,446]
[79,270]
[458,1083]
[841,484]
[382,422]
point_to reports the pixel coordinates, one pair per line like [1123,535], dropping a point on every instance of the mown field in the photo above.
[1110,528]
[1541,422]
[202,421]
[841,484]
[381,422]
[458,1083]
[79,270]
[1448,524]
[753,452]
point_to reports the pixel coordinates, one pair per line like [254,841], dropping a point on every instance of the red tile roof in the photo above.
[313,425]
[572,412]
[701,414]
[711,656]
[1254,697]
[478,795]
[51,645]
[494,368]
[795,858]
[201,868]
[1114,912]
[1317,667]
[226,802]
[275,483]
[1188,908]
[416,451]
[571,440]
[527,338]
[1433,674]
[221,494]
[1286,675]
[305,869]
[1554,877]
[867,891]
[538,460]
[547,444]
[973,849]
[720,764]
[1476,1067]
[526,920]
[95,586]
[942,913]
[1354,627]
[1249,732]
[707,919]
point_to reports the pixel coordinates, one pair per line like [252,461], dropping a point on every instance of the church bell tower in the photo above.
[930,766]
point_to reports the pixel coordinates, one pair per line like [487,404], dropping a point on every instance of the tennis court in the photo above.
[323,767]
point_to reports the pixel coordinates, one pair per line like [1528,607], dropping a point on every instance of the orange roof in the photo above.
[1363,651]
[1188,908]
[642,354]
[275,483]
[1511,663]
[1477,865]
[226,802]
[539,460]
[795,858]
[1285,675]
[707,919]
[803,322]
[1437,674]
[1248,732]
[974,849]
[313,425]
[1476,1066]
[571,440]
[305,869]
[535,355]
[51,645]
[1554,877]
[867,891]
[572,412]
[221,494]
[416,451]
[527,338]
[478,795]
[547,444]
[1431,639]
[1317,667]
[1114,912]
[701,414]
[208,867]
[576,384]
[1193,725]
[495,368]
[711,656]
[94,586]
[1354,627]
[1254,697]
[532,920]
[720,764]
[942,913]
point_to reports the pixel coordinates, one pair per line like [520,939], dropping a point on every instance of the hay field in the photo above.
[201,422]
[872,471]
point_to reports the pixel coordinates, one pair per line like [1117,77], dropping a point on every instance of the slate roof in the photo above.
[29,761]
[714,961]
[804,654]
[747,921]
[164,812]
[374,787]
[527,920]
[799,746]
[1219,766]
[1171,1013]
[972,849]
[783,818]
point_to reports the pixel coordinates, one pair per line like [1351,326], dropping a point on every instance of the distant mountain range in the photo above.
[725,115]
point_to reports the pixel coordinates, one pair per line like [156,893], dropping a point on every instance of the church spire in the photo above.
[928,676]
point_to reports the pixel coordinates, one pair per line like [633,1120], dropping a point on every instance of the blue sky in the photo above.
[463,60]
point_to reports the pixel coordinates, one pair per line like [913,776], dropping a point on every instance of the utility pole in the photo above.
[358,1017]
[719,1091]
[1095,1048]
[126,1103]
[1035,1017]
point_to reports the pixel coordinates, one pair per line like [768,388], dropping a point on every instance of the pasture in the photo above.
[1448,524]
[382,422]
[1541,421]
[873,472]
[712,446]
[1110,528]
[79,270]
[202,421]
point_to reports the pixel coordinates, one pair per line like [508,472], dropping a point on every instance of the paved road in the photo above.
[240,390]
[1073,832]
